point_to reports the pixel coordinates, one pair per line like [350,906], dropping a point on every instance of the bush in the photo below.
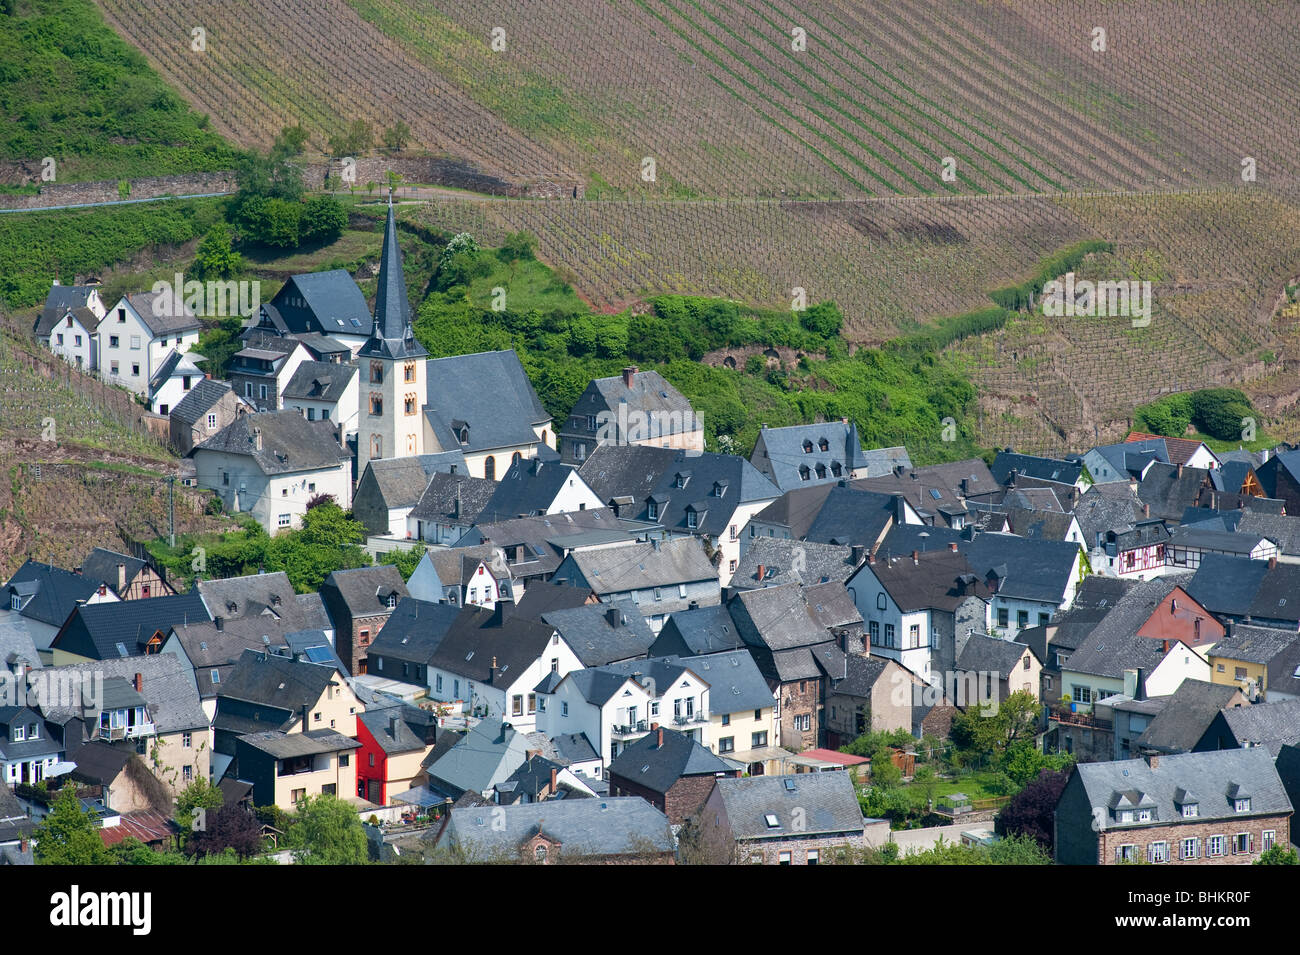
[323,220]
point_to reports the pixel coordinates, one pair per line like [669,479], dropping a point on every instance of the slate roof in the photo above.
[122,628]
[290,442]
[54,592]
[826,804]
[175,365]
[288,745]
[546,596]
[543,538]
[414,631]
[456,387]
[175,316]
[199,400]
[1230,476]
[173,703]
[789,561]
[851,515]
[609,826]
[625,470]
[985,654]
[365,589]
[14,822]
[1208,775]
[1270,725]
[1099,511]
[657,766]
[319,381]
[1170,489]
[781,452]
[1040,525]
[790,616]
[401,482]
[532,778]
[391,335]
[322,347]
[456,566]
[588,631]
[334,299]
[1038,468]
[527,488]
[573,748]
[1282,530]
[701,630]
[234,597]
[1204,538]
[1241,587]
[1183,720]
[1113,646]
[1032,569]
[858,676]
[615,570]
[1253,644]
[437,502]
[476,637]
[735,682]
[484,756]
[209,649]
[953,483]
[933,581]
[703,475]
[392,739]
[1129,457]
[279,682]
[650,393]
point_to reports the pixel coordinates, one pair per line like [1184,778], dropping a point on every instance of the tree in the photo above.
[397,136]
[352,140]
[1032,810]
[291,141]
[195,806]
[1277,855]
[327,831]
[270,220]
[404,560]
[68,835]
[323,220]
[215,259]
[231,827]
[1014,719]
[823,319]
[517,245]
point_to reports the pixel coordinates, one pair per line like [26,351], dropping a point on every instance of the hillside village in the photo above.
[610,645]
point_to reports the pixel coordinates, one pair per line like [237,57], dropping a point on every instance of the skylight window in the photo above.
[772,821]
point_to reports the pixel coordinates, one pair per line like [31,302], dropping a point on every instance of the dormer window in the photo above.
[807,446]
[652,512]
[804,472]
[692,519]
[391,602]
[1241,804]
[1191,810]
[719,488]
[824,444]
[679,480]
[15,602]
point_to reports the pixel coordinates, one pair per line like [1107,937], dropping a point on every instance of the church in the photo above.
[482,405]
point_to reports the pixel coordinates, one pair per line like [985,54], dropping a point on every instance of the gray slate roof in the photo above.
[319,381]
[391,335]
[485,756]
[789,561]
[1113,646]
[390,731]
[614,570]
[122,628]
[985,654]
[735,682]
[527,488]
[591,635]
[414,631]
[1207,775]
[1270,725]
[827,804]
[1183,720]
[365,589]
[200,399]
[703,476]
[175,316]
[50,593]
[781,453]
[612,826]
[456,387]
[173,703]
[657,766]
[437,502]
[333,298]
[793,616]
[289,442]
[702,630]
[1100,509]
[402,481]
[1041,469]
[625,470]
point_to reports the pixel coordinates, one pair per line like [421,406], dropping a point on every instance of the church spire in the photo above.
[392,324]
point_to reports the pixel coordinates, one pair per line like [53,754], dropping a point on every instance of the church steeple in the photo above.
[391,335]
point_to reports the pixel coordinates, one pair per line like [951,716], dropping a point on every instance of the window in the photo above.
[1126,853]
[376,372]
[135,369]
[784,858]
[372,759]
[439,683]
[187,773]
[282,520]
[113,369]
[1214,846]
[517,705]
[1022,619]
[758,739]
[376,446]
[376,404]
[813,857]
[212,422]
[1158,852]
[727,744]
[1191,810]
[555,664]
[1240,673]
[880,601]
[185,381]
[248,389]
[364,637]
[1044,619]
[1242,843]
[726,719]
[20,734]
[540,853]
[408,371]
[889,635]
[652,511]
[1004,616]
[121,315]
[135,342]
[875,633]
[1187,849]
[532,703]
[564,708]
[187,740]
[1241,805]
[311,414]
[1081,694]
[692,519]
[657,594]
[215,676]
[114,341]
[914,635]
[60,338]
[298,795]
[1026,661]
[1269,837]
[410,405]
[579,451]
[732,567]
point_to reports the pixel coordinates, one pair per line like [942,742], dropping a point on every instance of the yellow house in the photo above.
[742,724]
[286,768]
[1242,657]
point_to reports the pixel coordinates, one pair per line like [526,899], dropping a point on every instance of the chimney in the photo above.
[693,605]
[856,553]
[138,682]
[1153,760]
[629,373]
[531,753]
[554,773]
[952,546]
[1179,470]
[121,578]
[762,572]
[220,623]
[614,616]
[1272,563]
[871,558]
[392,726]
[457,500]
[661,737]
[500,612]
[257,439]
[1011,479]
[916,557]
[1146,510]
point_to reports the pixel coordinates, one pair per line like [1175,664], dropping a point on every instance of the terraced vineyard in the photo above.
[1216,261]
[870,98]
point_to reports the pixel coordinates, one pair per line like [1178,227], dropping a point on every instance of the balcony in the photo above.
[1063,715]
[624,730]
[690,718]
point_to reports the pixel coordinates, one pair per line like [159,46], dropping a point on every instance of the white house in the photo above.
[324,391]
[271,464]
[173,380]
[616,705]
[138,333]
[68,322]
[491,662]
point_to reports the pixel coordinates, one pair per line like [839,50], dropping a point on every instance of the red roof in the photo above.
[145,825]
[832,756]
[1180,449]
